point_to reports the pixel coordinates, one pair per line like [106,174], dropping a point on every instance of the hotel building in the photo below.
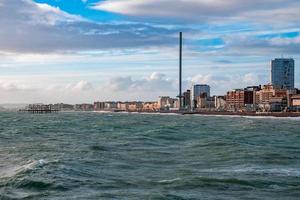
[283,73]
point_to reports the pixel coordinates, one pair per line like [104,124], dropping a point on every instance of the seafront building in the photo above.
[271,98]
[84,107]
[238,99]
[62,107]
[197,91]
[150,106]
[166,103]
[220,103]
[187,100]
[283,73]
[256,98]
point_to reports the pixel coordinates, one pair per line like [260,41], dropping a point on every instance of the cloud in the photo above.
[221,83]
[117,88]
[29,27]
[80,86]
[256,11]
[252,45]
[155,82]
[10,86]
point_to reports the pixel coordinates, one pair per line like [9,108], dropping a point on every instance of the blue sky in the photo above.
[79,51]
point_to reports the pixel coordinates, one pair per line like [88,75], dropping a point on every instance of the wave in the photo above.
[15,170]
[169,180]
[293,172]
[216,182]
[272,117]
[249,117]
[205,181]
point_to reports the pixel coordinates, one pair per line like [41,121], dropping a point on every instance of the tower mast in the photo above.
[180,71]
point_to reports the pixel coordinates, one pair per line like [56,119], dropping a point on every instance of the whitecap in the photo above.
[169,180]
[11,171]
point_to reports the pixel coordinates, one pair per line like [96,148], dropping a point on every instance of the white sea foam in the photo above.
[169,180]
[272,117]
[205,115]
[295,172]
[11,171]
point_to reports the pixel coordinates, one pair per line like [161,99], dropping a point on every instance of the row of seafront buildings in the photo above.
[278,96]
[133,106]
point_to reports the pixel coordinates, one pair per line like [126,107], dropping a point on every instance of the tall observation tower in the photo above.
[180,71]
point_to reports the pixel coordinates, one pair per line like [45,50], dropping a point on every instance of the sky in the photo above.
[81,51]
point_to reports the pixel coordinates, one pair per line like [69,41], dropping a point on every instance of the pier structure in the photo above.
[39,109]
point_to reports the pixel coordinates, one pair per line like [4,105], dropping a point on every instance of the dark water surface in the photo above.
[135,156]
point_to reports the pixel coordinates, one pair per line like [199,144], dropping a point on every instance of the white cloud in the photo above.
[220,84]
[155,82]
[12,86]
[207,10]
[80,86]
[40,28]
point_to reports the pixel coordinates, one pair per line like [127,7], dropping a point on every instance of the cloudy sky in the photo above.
[79,51]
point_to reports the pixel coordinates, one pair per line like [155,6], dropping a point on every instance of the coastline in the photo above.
[246,114]
[213,113]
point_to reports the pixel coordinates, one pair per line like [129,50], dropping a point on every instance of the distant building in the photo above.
[204,102]
[123,106]
[236,99]
[271,98]
[251,98]
[296,100]
[135,106]
[199,90]
[62,107]
[167,103]
[110,105]
[150,106]
[187,99]
[98,106]
[220,102]
[84,107]
[283,73]
[242,99]
[293,100]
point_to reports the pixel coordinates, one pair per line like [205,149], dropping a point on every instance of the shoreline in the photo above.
[245,114]
[213,113]
[204,113]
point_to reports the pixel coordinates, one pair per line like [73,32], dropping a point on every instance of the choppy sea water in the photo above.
[139,156]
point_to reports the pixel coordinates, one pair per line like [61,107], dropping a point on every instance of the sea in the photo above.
[90,155]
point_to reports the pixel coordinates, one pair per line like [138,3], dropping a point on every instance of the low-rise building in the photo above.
[62,107]
[110,105]
[84,107]
[296,100]
[237,100]
[295,103]
[204,102]
[187,99]
[150,106]
[135,106]
[271,99]
[99,106]
[220,103]
[167,103]
[122,106]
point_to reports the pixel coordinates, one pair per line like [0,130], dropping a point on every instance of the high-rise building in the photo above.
[283,73]
[199,90]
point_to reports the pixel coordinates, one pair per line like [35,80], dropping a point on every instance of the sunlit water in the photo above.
[136,156]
